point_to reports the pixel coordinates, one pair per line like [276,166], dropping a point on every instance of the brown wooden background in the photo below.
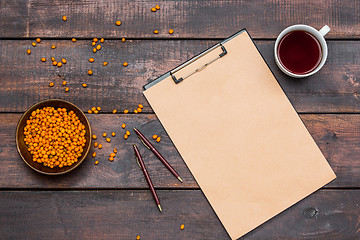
[112,200]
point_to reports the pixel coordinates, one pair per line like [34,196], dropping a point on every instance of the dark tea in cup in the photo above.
[299,52]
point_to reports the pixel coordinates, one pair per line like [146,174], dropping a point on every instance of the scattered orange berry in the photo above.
[54,63]
[98,108]
[114,111]
[59,64]
[64,18]
[115,150]
[84,85]
[94,136]
[96,111]
[52,59]
[53,47]
[64,83]
[126,111]
[118,23]
[111,159]
[123,125]
[156,31]
[139,110]
[135,111]
[126,136]
[113,134]
[28,51]
[105,63]
[93,43]
[93,108]
[102,40]
[91,60]
[128,133]
[153,9]
[141,106]
[100,146]
[94,154]
[63,60]
[90,72]
[171,31]
[94,50]
[95,40]
[112,154]
[155,136]
[43,59]
[89,111]
[33,43]
[138,237]
[108,139]
[182,226]
[66,89]
[104,134]
[125,64]
[157,7]
[95,144]
[98,47]
[158,139]
[123,39]
[38,40]
[51,84]
[74,39]
[96,162]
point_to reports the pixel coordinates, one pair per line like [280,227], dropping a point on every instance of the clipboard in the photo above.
[238,133]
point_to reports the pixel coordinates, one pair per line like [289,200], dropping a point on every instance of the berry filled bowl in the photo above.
[53,137]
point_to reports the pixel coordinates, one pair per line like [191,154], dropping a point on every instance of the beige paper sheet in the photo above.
[240,137]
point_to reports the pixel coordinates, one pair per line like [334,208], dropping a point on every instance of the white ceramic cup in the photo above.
[319,35]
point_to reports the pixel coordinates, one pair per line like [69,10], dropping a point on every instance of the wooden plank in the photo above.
[189,19]
[337,136]
[25,79]
[126,214]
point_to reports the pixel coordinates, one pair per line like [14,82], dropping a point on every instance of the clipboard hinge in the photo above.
[178,80]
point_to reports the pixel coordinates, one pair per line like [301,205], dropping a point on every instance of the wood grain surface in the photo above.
[336,135]
[25,79]
[126,214]
[189,19]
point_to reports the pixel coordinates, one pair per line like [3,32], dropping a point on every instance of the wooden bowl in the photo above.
[23,148]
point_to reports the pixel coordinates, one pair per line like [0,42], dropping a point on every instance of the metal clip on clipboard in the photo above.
[177,80]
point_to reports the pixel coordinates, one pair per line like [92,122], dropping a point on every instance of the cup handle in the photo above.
[324,30]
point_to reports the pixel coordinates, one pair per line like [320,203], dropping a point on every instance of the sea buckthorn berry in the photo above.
[135,111]
[153,9]
[96,162]
[28,51]
[102,40]
[139,110]
[90,72]
[51,84]
[95,144]
[108,139]
[104,134]
[157,7]
[64,18]
[114,111]
[84,85]
[171,31]
[43,59]
[98,47]
[95,40]
[66,89]
[89,111]
[74,39]
[53,47]
[34,44]
[154,136]
[140,106]
[182,227]
[156,31]
[63,60]
[118,23]
[54,63]
[115,150]
[138,237]
[52,59]
[126,136]
[59,64]
[126,111]
[111,159]
[94,136]
[64,83]
[128,133]
[96,111]
[94,154]
[113,134]
[123,39]
[91,60]
[123,125]
[98,108]
[100,146]
[38,40]
[105,63]
[158,139]
[125,64]
[112,154]
[93,43]
[94,50]
[93,108]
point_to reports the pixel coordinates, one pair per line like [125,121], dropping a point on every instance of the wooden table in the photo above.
[111,200]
